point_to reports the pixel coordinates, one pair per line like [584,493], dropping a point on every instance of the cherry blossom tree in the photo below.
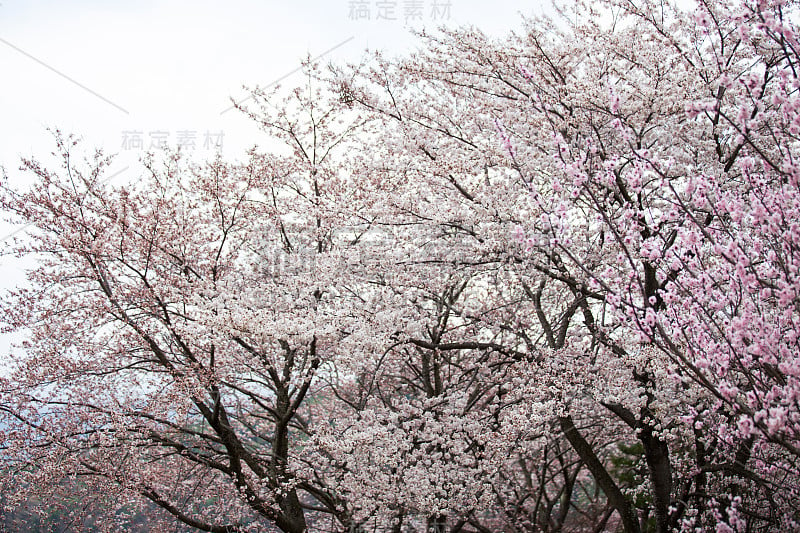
[646,157]
[540,283]
[176,327]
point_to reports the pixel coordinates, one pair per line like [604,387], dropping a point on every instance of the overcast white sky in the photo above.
[120,74]
[172,66]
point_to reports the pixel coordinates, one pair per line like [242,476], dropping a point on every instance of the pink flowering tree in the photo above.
[682,175]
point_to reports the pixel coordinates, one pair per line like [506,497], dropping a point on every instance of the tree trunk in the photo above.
[607,484]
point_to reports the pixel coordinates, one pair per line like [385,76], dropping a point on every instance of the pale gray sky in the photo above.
[171,66]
